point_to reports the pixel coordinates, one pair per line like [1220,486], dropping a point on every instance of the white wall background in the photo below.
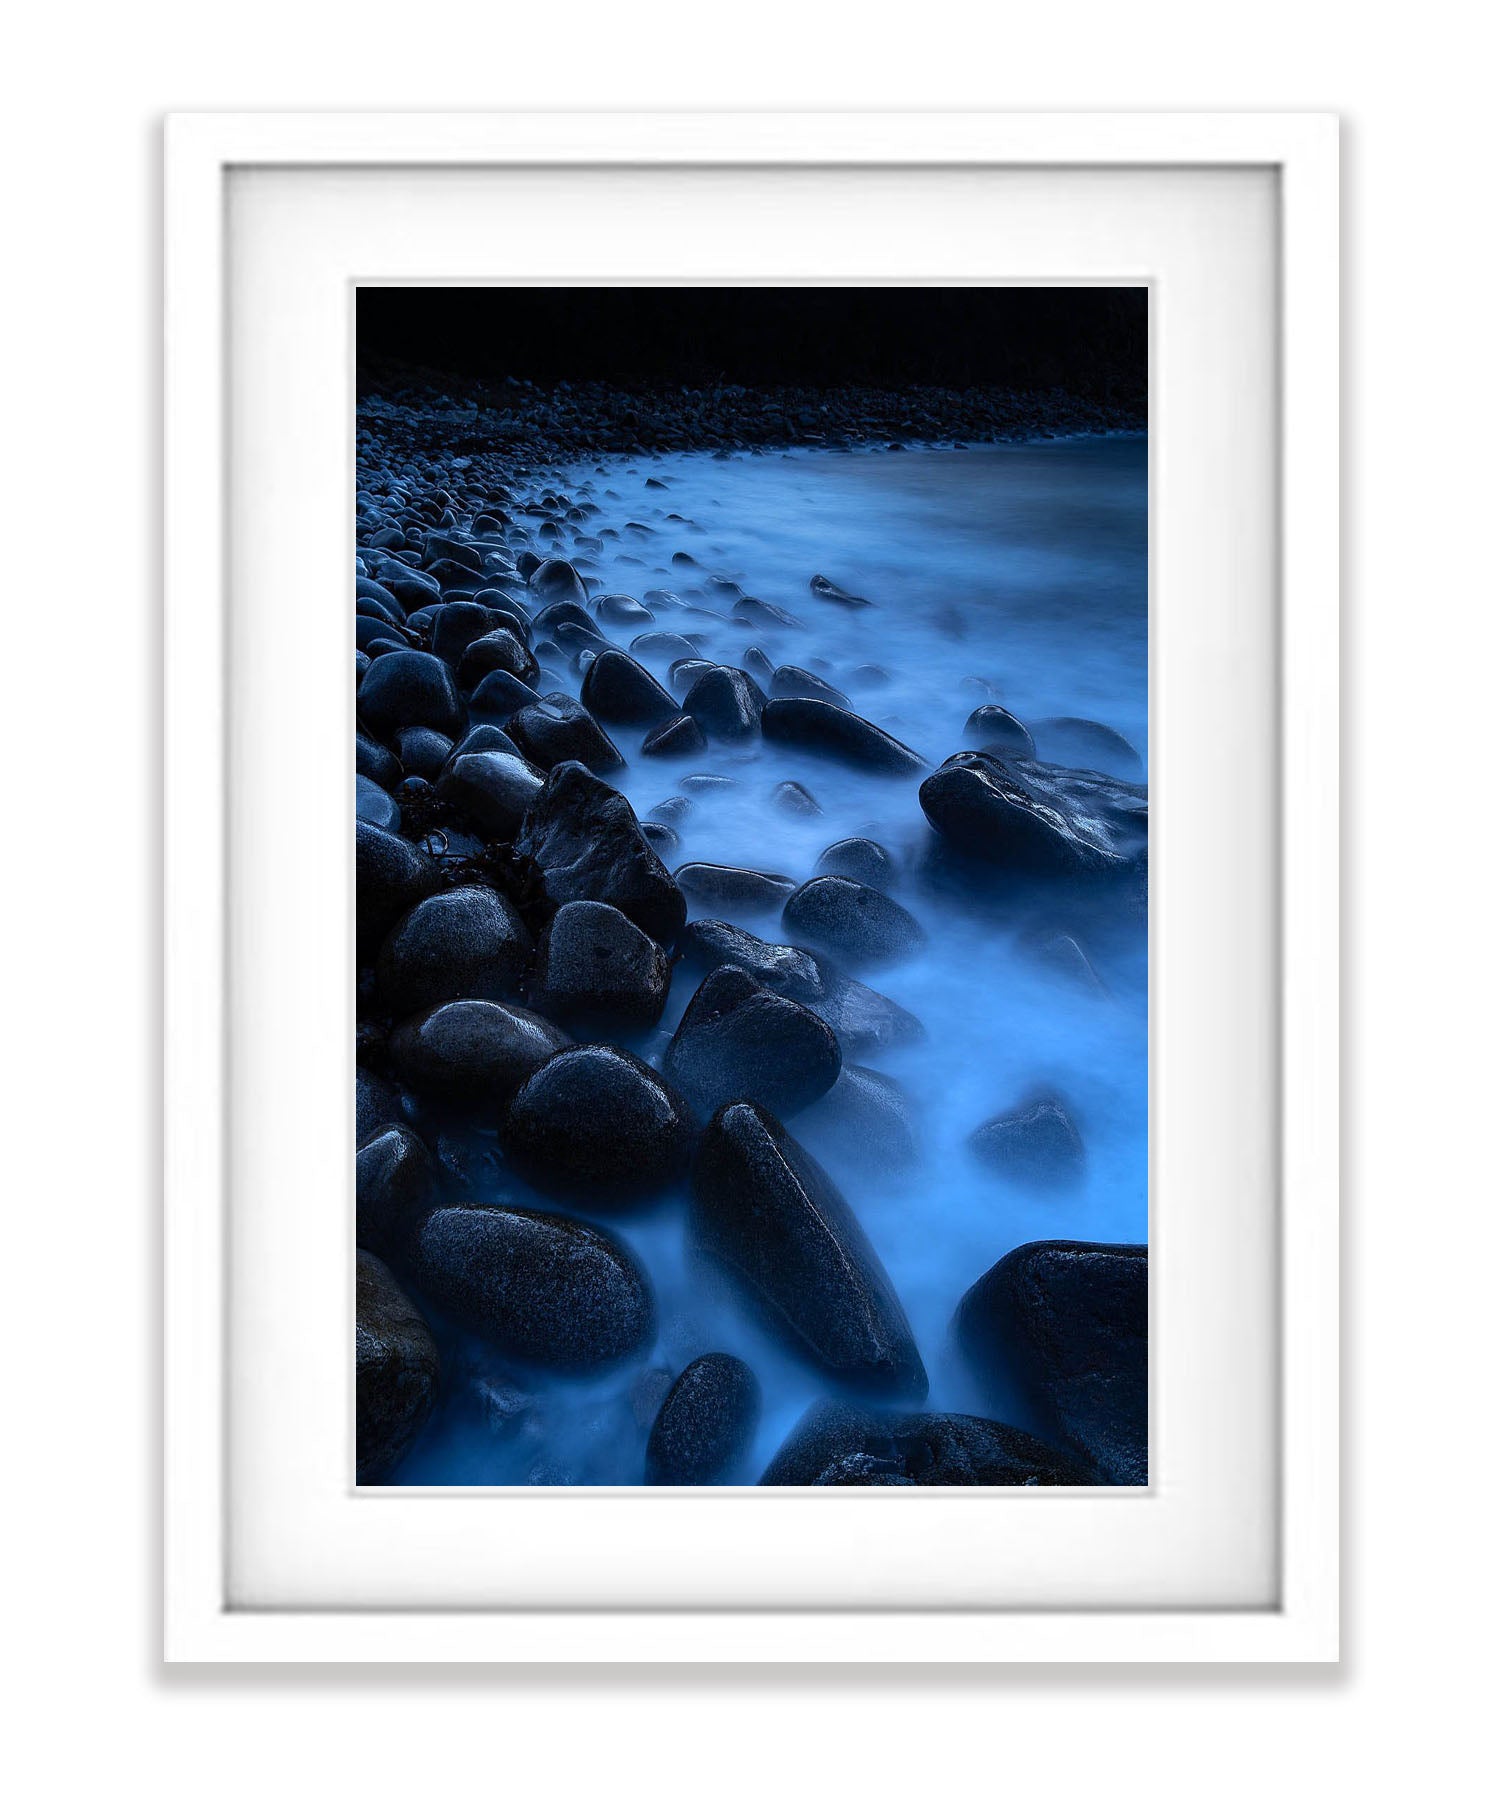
[79,971]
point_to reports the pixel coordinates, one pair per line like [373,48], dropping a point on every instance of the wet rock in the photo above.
[762,613]
[662,648]
[791,683]
[558,730]
[859,859]
[1037,1145]
[836,1445]
[598,972]
[479,738]
[389,876]
[705,1424]
[993,728]
[855,924]
[1067,1321]
[595,1124]
[1035,818]
[498,650]
[726,704]
[1086,744]
[409,687]
[824,589]
[792,798]
[677,736]
[758,666]
[467,944]
[587,845]
[864,1021]
[825,730]
[544,1289]
[765,1215]
[374,805]
[375,596]
[395,1185]
[618,690]
[869,675]
[375,762]
[661,838]
[423,752]
[557,580]
[499,697]
[709,944]
[740,1041]
[685,672]
[864,1121]
[621,611]
[492,789]
[395,1371]
[721,888]
[457,625]
[377,1104]
[472,1055]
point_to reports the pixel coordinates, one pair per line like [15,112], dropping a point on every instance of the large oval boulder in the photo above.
[1035,818]
[618,690]
[598,972]
[544,1289]
[596,1125]
[395,1371]
[708,944]
[739,1041]
[472,1055]
[395,1184]
[768,1218]
[469,943]
[834,731]
[721,887]
[557,730]
[705,1424]
[498,649]
[410,687]
[857,925]
[726,703]
[492,789]
[390,877]
[1035,1145]
[1067,1323]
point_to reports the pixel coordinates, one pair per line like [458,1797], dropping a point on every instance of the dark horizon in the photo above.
[1089,341]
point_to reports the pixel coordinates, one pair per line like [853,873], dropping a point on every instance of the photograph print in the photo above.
[750,779]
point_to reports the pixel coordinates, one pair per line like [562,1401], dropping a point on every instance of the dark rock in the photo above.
[857,925]
[835,1445]
[767,1216]
[863,1020]
[792,798]
[824,589]
[472,1054]
[1037,1145]
[859,859]
[677,736]
[389,877]
[586,844]
[661,838]
[499,697]
[594,1123]
[726,703]
[1067,1321]
[622,611]
[546,1290]
[993,728]
[598,972]
[479,738]
[375,762]
[395,1371]
[739,1041]
[1035,818]
[409,687]
[456,626]
[374,805]
[718,887]
[558,730]
[762,613]
[1086,744]
[498,650]
[705,1424]
[492,789]
[685,672]
[375,594]
[825,730]
[863,1122]
[395,1185]
[662,647]
[709,944]
[758,666]
[467,944]
[557,580]
[791,683]
[619,691]
[377,1104]
[423,752]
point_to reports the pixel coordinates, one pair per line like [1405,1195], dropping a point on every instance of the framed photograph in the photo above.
[761,1085]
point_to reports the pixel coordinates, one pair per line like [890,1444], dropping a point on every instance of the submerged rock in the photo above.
[864,1122]
[836,1445]
[586,844]
[792,798]
[545,1289]
[705,1423]
[791,683]
[467,944]
[723,888]
[855,924]
[1033,817]
[739,1041]
[1086,744]
[767,1216]
[596,971]
[993,728]
[595,1124]
[472,1054]
[395,1371]
[864,1020]
[709,944]
[859,859]
[824,589]
[833,731]
[1068,1321]
[1037,1145]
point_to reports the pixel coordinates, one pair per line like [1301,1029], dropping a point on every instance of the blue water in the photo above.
[1014,573]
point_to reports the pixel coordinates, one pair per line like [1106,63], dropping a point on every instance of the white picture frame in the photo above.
[203,1620]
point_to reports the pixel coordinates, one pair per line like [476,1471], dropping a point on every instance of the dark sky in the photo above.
[1090,340]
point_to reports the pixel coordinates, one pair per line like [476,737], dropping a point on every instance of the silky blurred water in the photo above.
[1013,573]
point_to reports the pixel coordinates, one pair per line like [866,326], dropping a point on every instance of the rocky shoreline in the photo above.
[564,1026]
